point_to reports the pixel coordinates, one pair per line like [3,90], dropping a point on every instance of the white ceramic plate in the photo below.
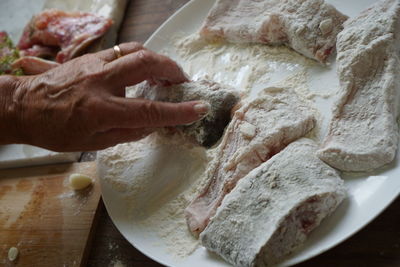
[369,194]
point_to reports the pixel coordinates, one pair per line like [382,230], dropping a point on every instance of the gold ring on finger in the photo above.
[117,51]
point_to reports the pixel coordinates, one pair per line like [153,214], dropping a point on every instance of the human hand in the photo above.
[81,104]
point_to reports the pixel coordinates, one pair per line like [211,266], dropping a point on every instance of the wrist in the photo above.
[9,114]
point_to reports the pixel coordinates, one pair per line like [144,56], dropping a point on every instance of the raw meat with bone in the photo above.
[308,26]
[258,130]
[272,210]
[363,133]
[71,32]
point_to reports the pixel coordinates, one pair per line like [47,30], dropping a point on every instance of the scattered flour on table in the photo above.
[117,263]
[114,255]
[75,199]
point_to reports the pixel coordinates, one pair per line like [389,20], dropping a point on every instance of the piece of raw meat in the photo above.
[308,26]
[33,65]
[272,210]
[363,133]
[208,130]
[40,51]
[258,130]
[71,32]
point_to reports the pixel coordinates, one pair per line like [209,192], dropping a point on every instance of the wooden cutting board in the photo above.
[44,218]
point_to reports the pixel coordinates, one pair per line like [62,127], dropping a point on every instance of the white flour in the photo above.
[159,189]
[246,67]
[158,177]
[169,223]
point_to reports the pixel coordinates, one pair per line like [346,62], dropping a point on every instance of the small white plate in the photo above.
[369,194]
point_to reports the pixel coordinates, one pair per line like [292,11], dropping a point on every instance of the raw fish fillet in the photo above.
[308,26]
[208,130]
[71,32]
[363,133]
[258,130]
[272,210]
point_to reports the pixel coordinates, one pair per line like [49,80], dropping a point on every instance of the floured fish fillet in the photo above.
[209,130]
[258,130]
[71,32]
[363,133]
[273,209]
[308,26]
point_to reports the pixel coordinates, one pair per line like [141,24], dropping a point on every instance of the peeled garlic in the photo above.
[12,254]
[79,181]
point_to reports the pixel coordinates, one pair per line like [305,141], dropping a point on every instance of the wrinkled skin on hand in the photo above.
[81,105]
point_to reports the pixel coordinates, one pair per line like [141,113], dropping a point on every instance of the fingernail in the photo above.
[202,108]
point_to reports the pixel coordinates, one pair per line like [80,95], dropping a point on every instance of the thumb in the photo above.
[142,113]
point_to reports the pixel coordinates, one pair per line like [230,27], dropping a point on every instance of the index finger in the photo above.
[144,65]
[142,113]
